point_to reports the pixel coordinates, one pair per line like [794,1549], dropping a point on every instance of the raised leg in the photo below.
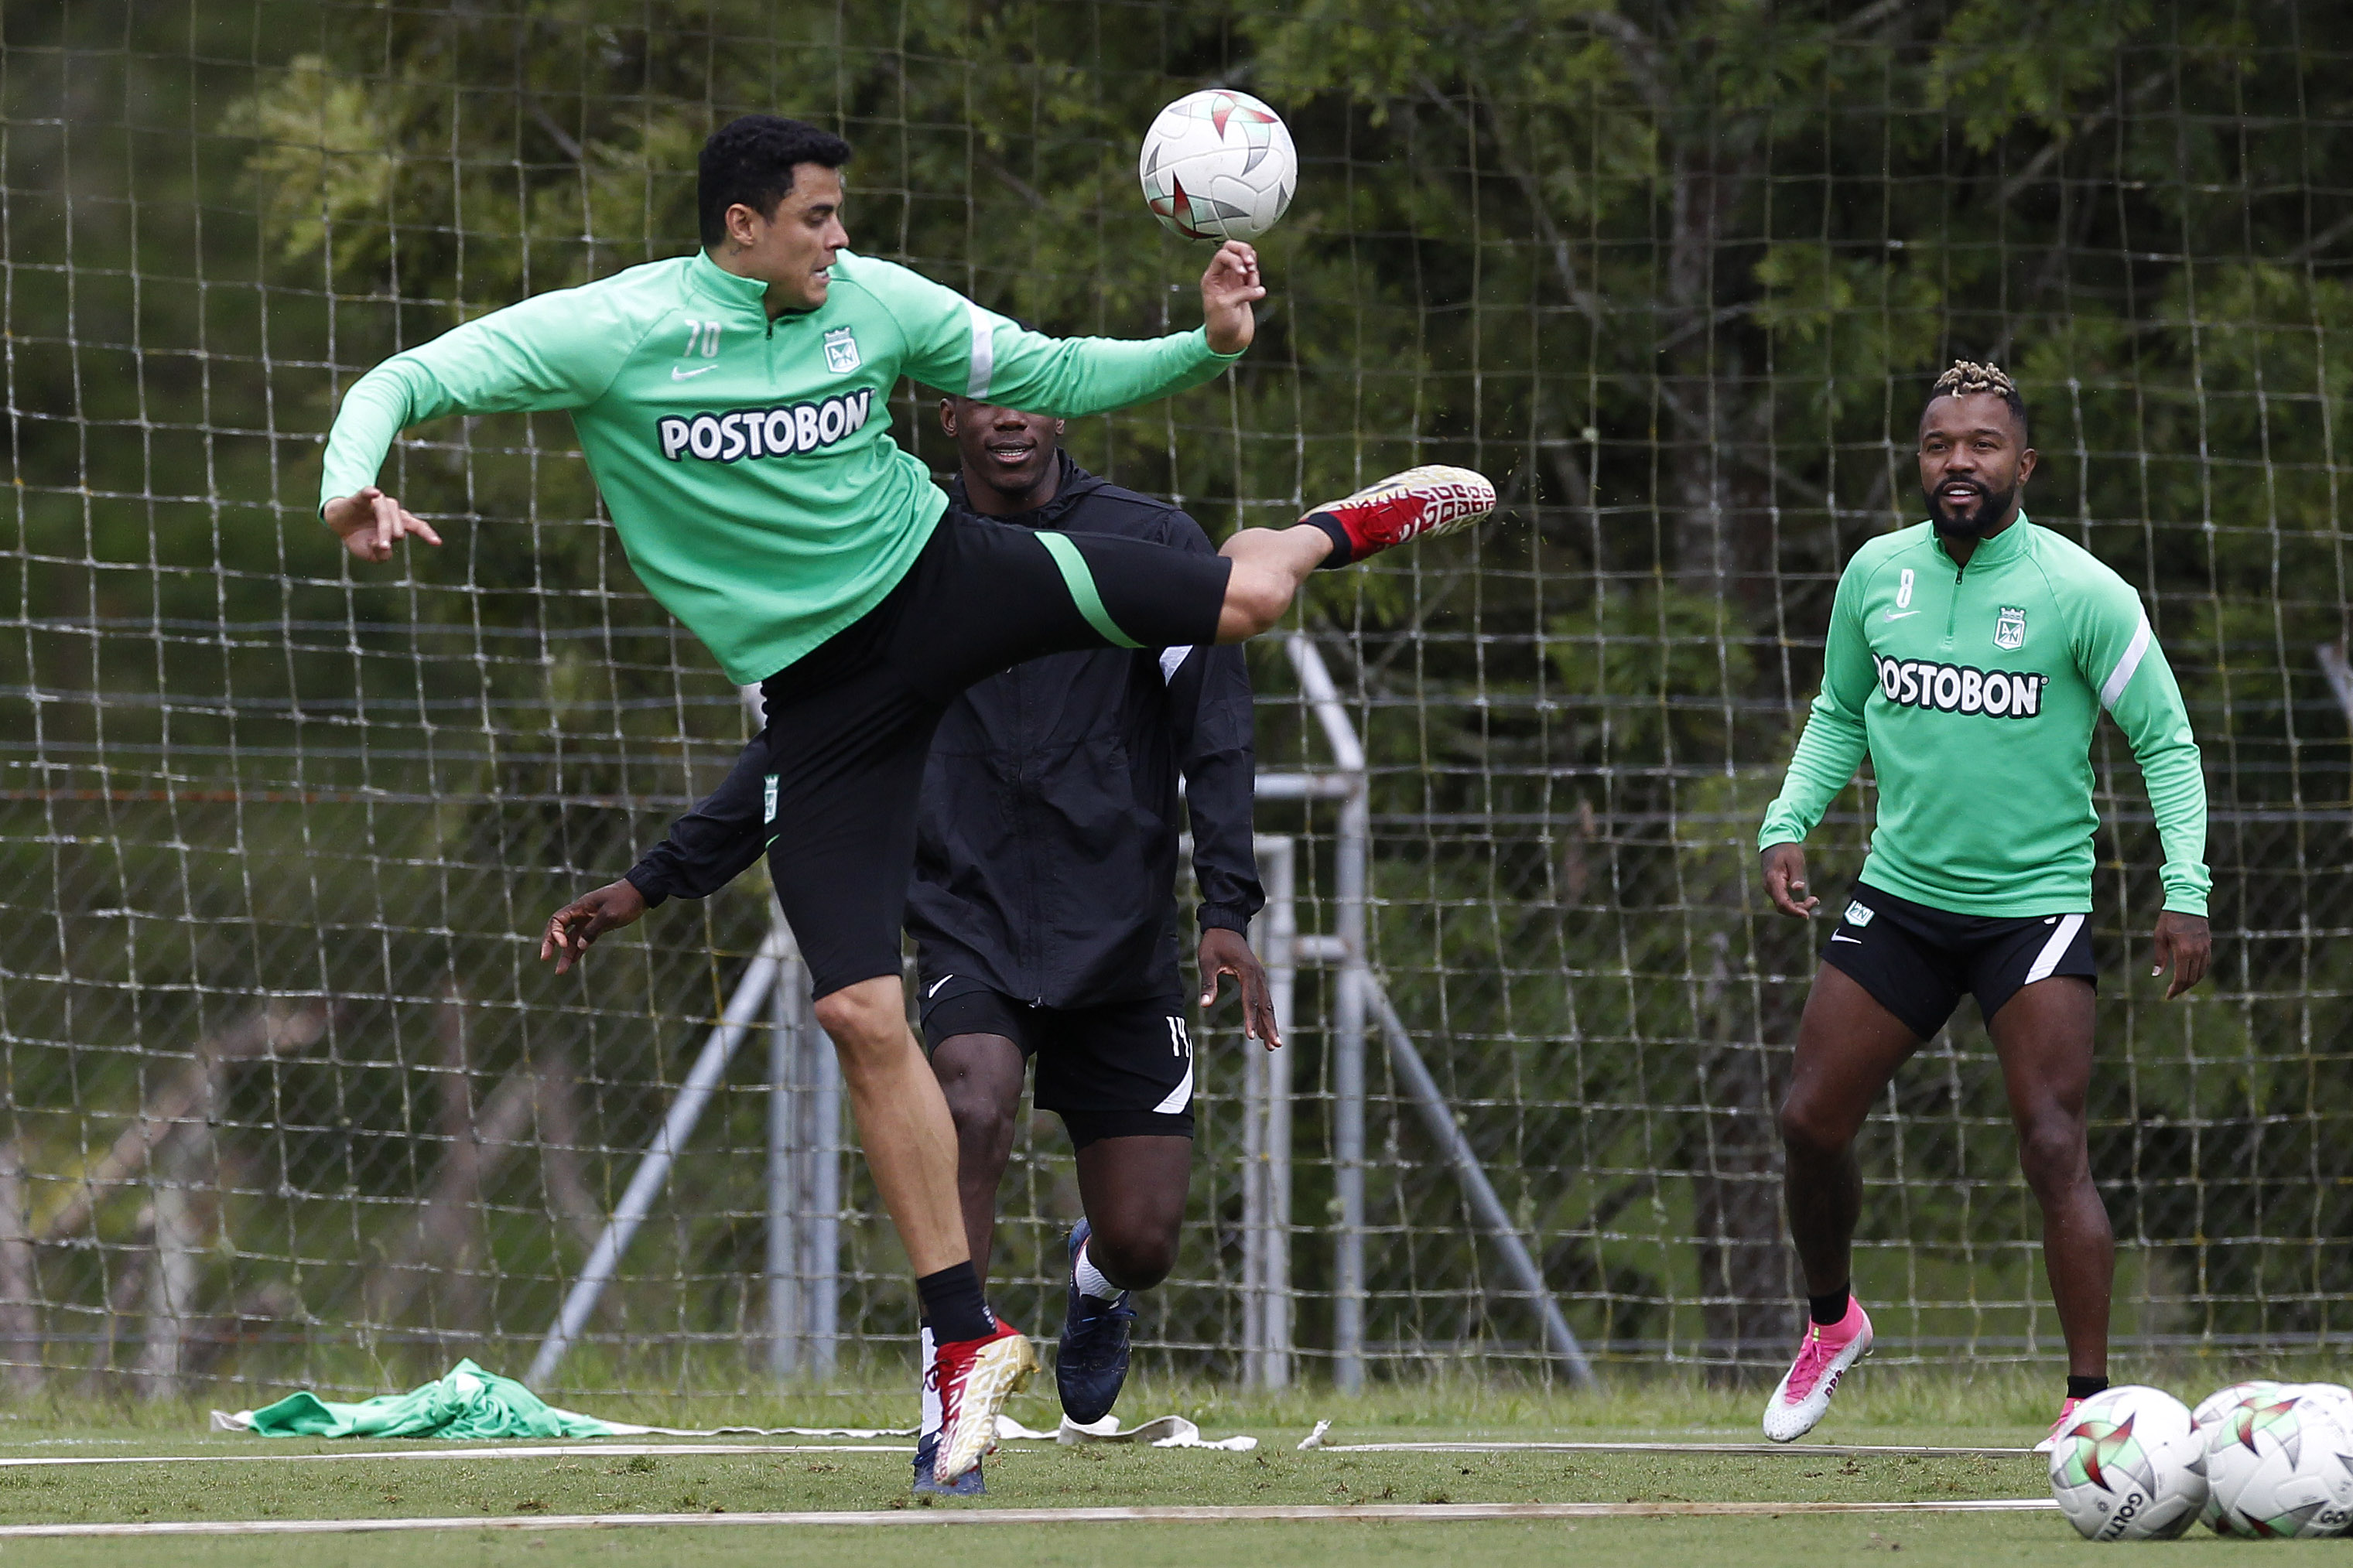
[2043,1036]
[1270,565]
[1134,1190]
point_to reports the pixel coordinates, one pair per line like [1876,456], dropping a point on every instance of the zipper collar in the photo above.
[713,281]
[2007,545]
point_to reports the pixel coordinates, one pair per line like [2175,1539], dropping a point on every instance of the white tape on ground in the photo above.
[550,1451]
[1166,1432]
[1375,1514]
[1794,1450]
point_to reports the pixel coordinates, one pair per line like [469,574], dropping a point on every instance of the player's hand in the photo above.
[1227,290]
[583,920]
[1785,881]
[1226,953]
[371,522]
[2184,943]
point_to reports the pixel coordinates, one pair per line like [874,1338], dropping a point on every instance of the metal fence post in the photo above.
[702,1081]
[817,1190]
[1350,857]
[1266,1138]
[786,1299]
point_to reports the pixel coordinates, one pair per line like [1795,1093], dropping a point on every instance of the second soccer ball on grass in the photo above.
[2130,1466]
[1217,164]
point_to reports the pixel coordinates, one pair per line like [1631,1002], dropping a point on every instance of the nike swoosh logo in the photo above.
[1842,936]
[677,375]
[1892,615]
[935,990]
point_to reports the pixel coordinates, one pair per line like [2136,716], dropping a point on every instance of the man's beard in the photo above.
[1991,508]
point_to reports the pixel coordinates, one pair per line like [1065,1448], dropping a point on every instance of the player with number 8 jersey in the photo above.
[1970,655]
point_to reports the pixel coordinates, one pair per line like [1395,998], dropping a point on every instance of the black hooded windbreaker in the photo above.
[1046,853]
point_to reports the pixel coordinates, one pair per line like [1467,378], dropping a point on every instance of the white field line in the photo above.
[626,1450]
[1791,1450]
[1378,1513]
[550,1451]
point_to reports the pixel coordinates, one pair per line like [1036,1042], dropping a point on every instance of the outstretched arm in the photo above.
[962,348]
[553,351]
[707,848]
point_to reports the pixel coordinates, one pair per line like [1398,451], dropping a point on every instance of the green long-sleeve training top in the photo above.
[747,463]
[1975,690]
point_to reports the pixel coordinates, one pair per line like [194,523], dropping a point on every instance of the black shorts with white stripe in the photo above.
[1121,1070]
[1917,961]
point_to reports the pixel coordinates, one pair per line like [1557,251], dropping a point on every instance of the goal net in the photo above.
[289,1095]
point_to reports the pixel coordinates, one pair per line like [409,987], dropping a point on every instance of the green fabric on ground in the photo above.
[468,1403]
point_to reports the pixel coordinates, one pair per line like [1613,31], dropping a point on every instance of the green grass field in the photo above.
[1996,1408]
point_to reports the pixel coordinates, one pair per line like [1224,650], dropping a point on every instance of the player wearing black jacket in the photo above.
[1043,902]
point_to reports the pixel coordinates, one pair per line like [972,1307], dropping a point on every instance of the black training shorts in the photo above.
[1123,1070]
[1917,962]
[851,723]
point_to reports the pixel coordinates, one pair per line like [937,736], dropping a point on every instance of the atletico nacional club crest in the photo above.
[2010,629]
[840,352]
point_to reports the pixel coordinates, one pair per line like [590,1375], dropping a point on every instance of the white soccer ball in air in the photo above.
[2281,1464]
[2130,1467]
[1217,164]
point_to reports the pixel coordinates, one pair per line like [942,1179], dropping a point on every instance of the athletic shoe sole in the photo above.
[1451,499]
[927,1481]
[1796,1420]
[997,1373]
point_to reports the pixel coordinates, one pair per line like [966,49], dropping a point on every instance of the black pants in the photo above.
[851,723]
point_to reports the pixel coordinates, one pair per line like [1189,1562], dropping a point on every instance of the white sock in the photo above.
[931,1418]
[1092,1282]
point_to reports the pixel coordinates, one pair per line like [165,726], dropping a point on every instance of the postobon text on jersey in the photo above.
[764,432]
[1958,689]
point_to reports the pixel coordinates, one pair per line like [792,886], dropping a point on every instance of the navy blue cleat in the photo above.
[1092,1364]
[927,1453]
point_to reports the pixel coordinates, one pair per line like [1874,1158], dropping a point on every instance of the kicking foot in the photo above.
[1432,500]
[1092,1363]
[1804,1396]
[2059,1427]
[927,1481]
[976,1378]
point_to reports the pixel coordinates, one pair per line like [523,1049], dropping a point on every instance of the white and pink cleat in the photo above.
[2059,1427]
[1804,1396]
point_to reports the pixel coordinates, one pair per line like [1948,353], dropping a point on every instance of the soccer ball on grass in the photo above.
[2280,1461]
[2130,1467]
[1217,164]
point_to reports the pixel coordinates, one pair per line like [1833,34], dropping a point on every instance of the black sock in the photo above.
[1829,1310]
[2084,1387]
[953,1302]
[1342,550]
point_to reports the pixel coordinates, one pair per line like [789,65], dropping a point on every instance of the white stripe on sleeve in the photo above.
[2121,676]
[1172,660]
[2056,948]
[984,351]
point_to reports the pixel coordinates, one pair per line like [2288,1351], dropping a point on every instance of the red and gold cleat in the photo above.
[976,1378]
[1432,500]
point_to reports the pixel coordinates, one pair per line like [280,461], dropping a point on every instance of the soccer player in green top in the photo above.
[730,404]
[1970,655]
